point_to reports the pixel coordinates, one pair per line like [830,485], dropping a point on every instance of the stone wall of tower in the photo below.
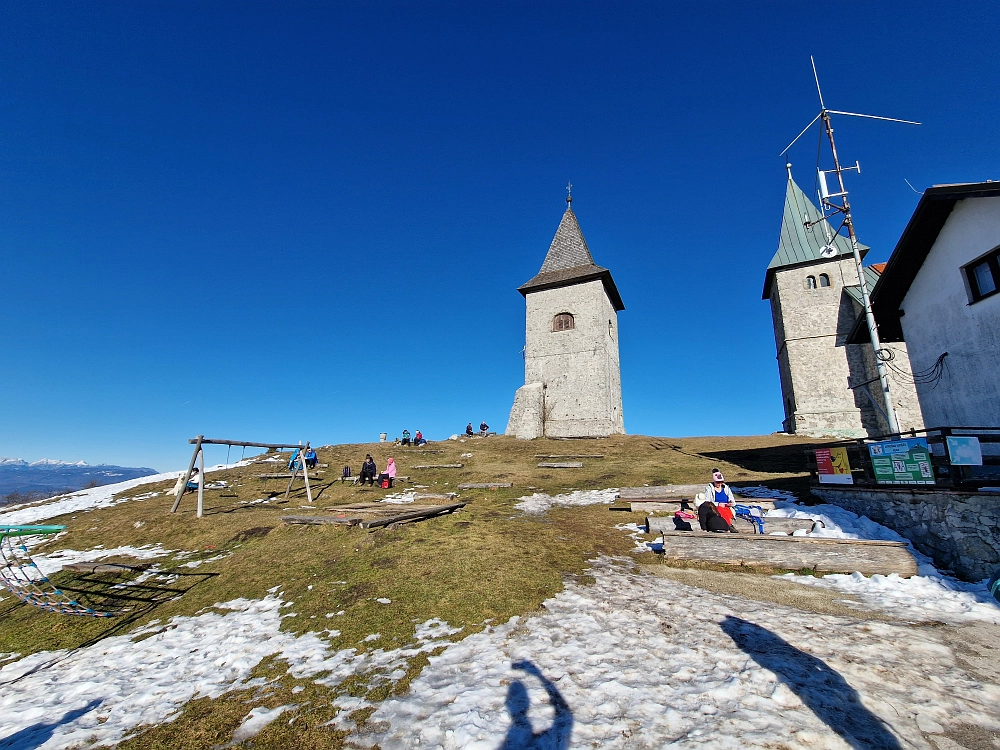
[578,368]
[811,326]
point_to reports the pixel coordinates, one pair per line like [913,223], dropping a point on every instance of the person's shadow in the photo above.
[521,735]
[38,734]
[822,689]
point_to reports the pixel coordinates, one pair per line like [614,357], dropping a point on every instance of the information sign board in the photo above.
[832,466]
[906,461]
[965,451]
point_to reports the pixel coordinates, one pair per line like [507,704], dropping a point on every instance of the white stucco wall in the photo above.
[579,367]
[939,318]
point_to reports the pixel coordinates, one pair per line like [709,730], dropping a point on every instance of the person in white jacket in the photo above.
[719,493]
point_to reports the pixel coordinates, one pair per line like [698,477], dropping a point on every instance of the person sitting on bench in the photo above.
[388,475]
[718,491]
[311,458]
[368,470]
[710,519]
[483,428]
[468,430]
[194,481]
[418,439]
[406,437]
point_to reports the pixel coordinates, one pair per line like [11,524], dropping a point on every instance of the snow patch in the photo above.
[54,561]
[539,502]
[637,661]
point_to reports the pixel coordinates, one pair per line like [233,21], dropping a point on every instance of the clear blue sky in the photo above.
[285,221]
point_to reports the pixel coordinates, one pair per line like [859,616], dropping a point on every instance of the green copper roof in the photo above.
[871,276]
[799,244]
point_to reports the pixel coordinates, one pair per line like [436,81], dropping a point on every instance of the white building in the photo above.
[940,292]
[572,381]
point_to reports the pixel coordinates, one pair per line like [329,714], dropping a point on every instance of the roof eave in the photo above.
[918,238]
[598,273]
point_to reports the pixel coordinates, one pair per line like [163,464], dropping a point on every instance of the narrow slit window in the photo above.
[563,322]
[810,282]
[824,280]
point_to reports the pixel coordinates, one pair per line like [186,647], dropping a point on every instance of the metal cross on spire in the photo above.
[569,194]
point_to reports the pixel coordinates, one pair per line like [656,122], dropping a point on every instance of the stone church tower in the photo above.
[827,384]
[572,381]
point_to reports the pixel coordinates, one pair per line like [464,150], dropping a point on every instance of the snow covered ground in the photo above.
[639,661]
[98,694]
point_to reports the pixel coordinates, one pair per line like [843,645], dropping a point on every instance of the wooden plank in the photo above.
[666,490]
[435,496]
[412,515]
[375,509]
[670,506]
[423,450]
[286,475]
[792,552]
[485,486]
[561,465]
[89,567]
[244,444]
[321,520]
[439,466]
[570,455]
[771,525]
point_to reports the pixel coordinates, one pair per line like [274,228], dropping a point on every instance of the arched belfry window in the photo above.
[563,322]
[824,280]
[810,282]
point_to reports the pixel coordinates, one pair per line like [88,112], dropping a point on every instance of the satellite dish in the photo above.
[828,251]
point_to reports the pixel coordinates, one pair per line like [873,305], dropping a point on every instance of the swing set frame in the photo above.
[199,457]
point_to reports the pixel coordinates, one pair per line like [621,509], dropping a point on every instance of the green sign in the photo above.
[905,461]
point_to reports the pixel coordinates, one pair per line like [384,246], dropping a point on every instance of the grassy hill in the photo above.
[485,563]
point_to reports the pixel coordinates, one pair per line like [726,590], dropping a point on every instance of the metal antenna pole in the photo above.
[845,208]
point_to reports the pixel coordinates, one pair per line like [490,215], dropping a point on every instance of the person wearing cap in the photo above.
[720,494]
[368,470]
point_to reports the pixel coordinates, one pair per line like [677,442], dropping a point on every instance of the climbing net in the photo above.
[21,576]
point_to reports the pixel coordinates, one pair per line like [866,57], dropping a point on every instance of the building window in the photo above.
[824,280]
[983,275]
[563,322]
[810,282]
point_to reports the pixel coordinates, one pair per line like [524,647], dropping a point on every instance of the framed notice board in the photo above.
[832,466]
[906,461]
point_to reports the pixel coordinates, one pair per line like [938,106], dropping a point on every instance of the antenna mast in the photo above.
[828,204]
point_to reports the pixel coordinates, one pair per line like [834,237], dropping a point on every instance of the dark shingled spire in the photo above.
[568,248]
[569,262]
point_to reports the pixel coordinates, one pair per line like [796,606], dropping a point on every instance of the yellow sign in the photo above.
[832,466]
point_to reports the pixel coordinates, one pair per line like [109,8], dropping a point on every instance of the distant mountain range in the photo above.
[47,477]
